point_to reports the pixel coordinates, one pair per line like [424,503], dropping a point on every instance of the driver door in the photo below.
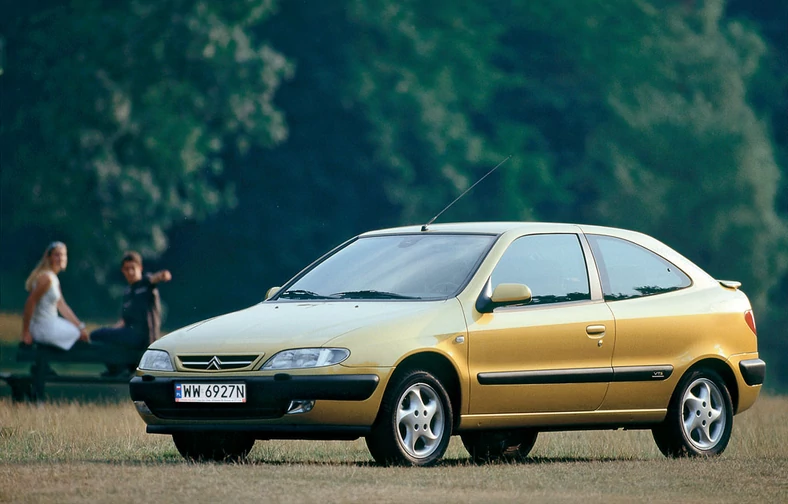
[553,354]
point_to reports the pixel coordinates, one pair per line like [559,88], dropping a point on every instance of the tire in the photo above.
[699,419]
[414,424]
[499,445]
[215,446]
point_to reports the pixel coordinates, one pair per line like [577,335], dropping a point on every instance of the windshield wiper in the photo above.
[371,294]
[301,294]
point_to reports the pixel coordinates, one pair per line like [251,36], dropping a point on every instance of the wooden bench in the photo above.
[32,386]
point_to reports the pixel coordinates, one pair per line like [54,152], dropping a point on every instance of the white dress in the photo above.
[45,325]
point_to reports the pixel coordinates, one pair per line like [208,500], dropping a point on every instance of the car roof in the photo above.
[498,228]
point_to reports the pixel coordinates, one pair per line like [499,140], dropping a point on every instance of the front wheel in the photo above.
[415,422]
[699,419]
[216,446]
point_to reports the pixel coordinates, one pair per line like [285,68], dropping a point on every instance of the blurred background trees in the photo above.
[119,119]
[234,142]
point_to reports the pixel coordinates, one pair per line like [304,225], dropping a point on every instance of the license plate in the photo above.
[210,392]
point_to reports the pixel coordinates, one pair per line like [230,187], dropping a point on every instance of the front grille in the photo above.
[216,362]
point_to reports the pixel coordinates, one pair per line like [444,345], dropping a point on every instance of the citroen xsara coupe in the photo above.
[490,331]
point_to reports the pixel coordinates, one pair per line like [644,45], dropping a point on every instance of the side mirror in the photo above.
[511,293]
[271,292]
[505,294]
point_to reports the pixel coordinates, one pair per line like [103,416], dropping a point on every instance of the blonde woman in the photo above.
[40,322]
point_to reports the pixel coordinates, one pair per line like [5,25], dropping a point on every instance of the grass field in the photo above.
[77,451]
[80,452]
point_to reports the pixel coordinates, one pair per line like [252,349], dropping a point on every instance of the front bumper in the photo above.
[267,397]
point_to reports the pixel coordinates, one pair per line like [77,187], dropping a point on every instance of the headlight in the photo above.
[307,358]
[156,360]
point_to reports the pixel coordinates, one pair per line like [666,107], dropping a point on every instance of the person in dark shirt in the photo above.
[141,313]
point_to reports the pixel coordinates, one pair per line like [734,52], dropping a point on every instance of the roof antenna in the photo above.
[425,226]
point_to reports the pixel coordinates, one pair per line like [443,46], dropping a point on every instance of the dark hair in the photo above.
[131,256]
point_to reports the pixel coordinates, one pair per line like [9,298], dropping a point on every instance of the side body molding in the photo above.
[587,375]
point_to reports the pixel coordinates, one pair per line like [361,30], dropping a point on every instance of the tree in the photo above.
[118,118]
[685,155]
[769,95]
[632,114]
[299,199]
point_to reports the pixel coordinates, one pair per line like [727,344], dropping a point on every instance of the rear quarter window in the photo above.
[628,270]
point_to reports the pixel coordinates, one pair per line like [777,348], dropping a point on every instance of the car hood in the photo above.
[270,326]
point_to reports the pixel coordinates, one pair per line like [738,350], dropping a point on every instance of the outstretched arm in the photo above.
[42,285]
[161,276]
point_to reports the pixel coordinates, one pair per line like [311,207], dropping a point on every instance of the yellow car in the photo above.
[489,331]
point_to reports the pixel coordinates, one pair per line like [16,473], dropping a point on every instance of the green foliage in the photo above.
[420,72]
[620,113]
[633,114]
[119,118]
[177,128]
[684,156]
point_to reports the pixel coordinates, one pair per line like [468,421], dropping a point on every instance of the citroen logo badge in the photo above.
[214,363]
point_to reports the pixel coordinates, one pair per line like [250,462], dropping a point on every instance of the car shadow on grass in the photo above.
[449,462]
[539,461]
[174,459]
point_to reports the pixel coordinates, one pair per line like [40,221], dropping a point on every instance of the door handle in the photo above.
[595,331]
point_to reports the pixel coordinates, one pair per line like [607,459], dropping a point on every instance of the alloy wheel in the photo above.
[703,414]
[421,421]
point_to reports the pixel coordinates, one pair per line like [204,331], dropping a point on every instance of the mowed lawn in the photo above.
[68,451]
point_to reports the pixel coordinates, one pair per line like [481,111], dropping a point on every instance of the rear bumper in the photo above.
[267,397]
[746,367]
[753,371]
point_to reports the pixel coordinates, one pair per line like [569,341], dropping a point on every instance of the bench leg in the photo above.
[21,388]
[39,377]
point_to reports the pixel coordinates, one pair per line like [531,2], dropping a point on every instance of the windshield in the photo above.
[413,266]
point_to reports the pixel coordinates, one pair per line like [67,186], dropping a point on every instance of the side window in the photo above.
[629,270]
[551,265]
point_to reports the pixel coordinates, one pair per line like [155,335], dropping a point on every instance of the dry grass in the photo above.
[10,328]
[72,452]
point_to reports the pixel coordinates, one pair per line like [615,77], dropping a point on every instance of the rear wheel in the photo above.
[415,421]
[699,419]
[499,445]
[216,446]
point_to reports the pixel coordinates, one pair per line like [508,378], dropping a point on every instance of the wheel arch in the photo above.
[726,373]
[443,369]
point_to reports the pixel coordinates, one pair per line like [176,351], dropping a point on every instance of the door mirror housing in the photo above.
[271,292]
[505,294]
[511,293]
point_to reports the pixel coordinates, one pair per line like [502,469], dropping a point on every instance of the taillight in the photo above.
[750,319]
